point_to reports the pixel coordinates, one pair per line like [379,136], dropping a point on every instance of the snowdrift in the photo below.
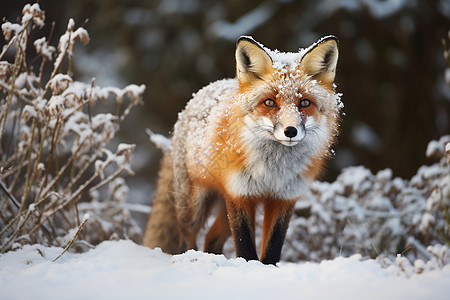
[124,270]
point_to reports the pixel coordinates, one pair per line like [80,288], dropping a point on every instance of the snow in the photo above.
[33,12]
[377,8]
[160,141]
[60,83]
[365,136]
[67,41]
[44,48]
[247,23]
[125,270]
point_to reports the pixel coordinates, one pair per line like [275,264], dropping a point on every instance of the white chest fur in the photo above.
[273,170]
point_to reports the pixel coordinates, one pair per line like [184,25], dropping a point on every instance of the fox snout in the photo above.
[290,135]
[290,132]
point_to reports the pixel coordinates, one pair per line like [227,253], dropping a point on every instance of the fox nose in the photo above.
[290,132]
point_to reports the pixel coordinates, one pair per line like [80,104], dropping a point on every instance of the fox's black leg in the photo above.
[242,225]
[276,221]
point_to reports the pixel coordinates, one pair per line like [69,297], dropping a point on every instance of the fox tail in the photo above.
[162,228]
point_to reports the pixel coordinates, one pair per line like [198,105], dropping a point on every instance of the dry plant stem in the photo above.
[77,213]
[16,232]
[447,215]
[20,93]
[19,170]
[73,239]
[108,179]
[72,168]
[38,156]
[11,42]
[10,196]
[44,59]
[118,106]
[4,114]
[66,117]
[81,172]
[69,68]
[11,223]
[41,71]
[50,156]
[62,170]
[18,60]
[419,247]
[126,111]
[76,194]
[64,204]
[10,162]
[56,69]
[67,219]
[80,189]
[9,139]
[89,102]
[30,155]
[14,220]
[443,235]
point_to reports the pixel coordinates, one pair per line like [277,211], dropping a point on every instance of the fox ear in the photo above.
[320,60]
[252,61]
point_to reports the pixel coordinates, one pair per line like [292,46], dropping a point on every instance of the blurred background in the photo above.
[391,66]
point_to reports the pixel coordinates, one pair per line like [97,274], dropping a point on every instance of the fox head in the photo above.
[288,96]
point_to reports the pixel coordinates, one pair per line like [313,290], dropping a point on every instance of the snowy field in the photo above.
[124,270]
[360,212]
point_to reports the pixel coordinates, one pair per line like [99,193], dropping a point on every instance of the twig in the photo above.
[85,218]
[10,196]
[19,215]
[27,177]
[5,49]
[44,60]
[107,179]
[81,172]
[65,203]
[18,61]
[16,232]
[50,156]
[418,246]
[62,170]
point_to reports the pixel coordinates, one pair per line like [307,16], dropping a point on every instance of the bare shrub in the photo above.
[54,150]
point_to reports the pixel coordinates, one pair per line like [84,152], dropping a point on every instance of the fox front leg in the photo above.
[277,215]
[241,216]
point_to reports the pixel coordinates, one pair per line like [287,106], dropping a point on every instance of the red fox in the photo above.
[257,139]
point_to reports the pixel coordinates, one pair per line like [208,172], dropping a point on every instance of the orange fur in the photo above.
[272,211]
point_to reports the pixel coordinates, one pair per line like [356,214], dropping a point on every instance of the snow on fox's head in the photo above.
[288,95]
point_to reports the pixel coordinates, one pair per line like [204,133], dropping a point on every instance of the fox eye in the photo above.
[305,103]
[270,103]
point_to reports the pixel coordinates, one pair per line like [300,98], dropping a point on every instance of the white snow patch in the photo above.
[160,141]
[434,148]
[363,135]
[247,23]
[377,8]
[124,270]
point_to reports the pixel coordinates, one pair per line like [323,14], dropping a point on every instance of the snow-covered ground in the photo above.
[360,212]
[125,270]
